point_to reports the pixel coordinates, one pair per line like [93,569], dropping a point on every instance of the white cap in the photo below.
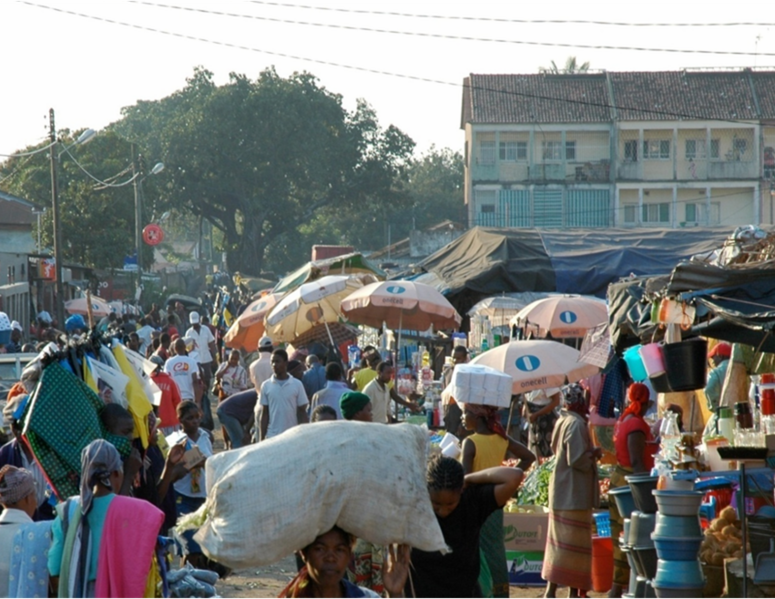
[193,318]
[15,325]
[264,343]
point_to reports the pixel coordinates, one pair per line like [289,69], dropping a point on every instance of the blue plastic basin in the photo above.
[677,548]
[679,574]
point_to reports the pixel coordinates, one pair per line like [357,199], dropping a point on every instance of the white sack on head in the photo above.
[479,384]
[265,501]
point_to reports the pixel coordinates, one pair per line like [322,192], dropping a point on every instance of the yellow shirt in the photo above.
[490,450]
[363,377]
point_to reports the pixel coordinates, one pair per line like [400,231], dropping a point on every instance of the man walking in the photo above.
[282,401]
[333,391]
[204,345]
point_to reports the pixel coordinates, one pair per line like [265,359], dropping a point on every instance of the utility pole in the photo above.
[59,299]
[136,171]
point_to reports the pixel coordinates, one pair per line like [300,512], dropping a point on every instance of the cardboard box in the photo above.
[525,568]
[525,536]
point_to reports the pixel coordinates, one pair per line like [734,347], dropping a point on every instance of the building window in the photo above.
[715,144]
[486,152]
[656,213]
[656,149]
[739,148]
[513,150]
[488,209]
[570,150]
[631,151]
[630,213]
[696,213]
[695,149]
[552,150]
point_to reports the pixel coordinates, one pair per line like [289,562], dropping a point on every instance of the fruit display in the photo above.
[723,538]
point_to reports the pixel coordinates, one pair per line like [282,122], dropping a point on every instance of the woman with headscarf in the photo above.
[91,555]
[632,436]
[573,493]
[487,447]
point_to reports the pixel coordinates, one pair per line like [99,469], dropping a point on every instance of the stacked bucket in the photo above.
[677,539]
[640,547]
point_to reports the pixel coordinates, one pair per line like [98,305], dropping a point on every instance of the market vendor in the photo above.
[719,361]
[634,454]
[326,560]
[541,412]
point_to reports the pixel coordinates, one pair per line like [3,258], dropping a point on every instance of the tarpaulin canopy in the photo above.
[347,264]
[488,261]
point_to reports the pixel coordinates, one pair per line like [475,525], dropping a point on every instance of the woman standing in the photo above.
[540,412]
[573,492]
[487,447]
[633,454]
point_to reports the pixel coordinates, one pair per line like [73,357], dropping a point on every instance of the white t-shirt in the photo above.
[542,397]
[183,486]
[261,370]
[380,401]
[180,368]
[282,399]
[202,339]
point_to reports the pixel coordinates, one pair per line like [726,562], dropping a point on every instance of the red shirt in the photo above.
[623,429]
[170,398]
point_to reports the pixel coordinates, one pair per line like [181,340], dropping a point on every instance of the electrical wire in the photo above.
[606,105]
[104,184]
[445,36]
[31,153]
[503,20]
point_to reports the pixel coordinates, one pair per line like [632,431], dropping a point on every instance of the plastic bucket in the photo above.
[602,564]
[624,501]
[679,503]
[677,548]
[686,364]
[642,486]
[634,361]
[653,359]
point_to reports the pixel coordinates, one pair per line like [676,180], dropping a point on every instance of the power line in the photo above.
[443,36]
[104,184]
[606,105]
[30,153]
[503,20]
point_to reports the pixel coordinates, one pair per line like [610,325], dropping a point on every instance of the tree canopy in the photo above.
[259,159]
[571,66]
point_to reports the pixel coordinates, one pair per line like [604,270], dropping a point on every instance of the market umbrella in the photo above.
[537,364]
[400,305]
[80,306]
[311,304]
[596,346]
[562,316]
[245,332]
[501,308]
[324,333]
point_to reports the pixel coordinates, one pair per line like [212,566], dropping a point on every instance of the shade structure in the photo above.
[246,331]
[400,305]
[309,305]
[324,333]
[80,306]
[563,316]
[537,364]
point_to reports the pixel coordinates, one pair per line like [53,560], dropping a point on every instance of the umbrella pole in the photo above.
[330,337]
[398,350]
[511,413]
[89,314]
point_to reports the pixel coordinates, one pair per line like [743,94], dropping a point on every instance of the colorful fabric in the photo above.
[493,550]
[621,565]
[99,459]
[61,419]
[139,404]
[365,569]
[638,396]
[15,484]
[28,573]
[540,432]
[612,395]
[568,554]
[125,559]
[574,398]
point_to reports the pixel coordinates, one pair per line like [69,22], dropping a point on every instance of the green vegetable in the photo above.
[535,488]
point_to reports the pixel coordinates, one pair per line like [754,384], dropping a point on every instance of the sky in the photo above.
[88,59]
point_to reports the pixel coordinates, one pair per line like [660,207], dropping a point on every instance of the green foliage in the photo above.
[260,159]
[571,67]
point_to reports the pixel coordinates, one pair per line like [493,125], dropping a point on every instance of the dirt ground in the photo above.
[270,580]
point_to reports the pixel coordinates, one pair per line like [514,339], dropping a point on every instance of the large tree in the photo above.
[260,159]
[97,221]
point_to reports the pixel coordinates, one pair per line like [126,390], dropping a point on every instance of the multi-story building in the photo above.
[620,149]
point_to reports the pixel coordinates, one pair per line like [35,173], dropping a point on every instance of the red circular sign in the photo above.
[153,235]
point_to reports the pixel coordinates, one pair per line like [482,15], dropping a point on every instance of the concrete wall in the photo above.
[425,243]
[17,241]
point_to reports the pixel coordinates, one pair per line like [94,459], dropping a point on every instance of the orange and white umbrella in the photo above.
[80,306]
[537,364]
[400,305]
[246,331]
[562,316]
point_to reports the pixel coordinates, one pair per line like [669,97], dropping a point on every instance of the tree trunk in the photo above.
[248,258]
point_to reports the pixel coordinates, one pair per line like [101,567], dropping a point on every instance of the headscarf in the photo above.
[490,416]
[638,395]
[15,484]
[574,398]
[99,459]
[352,402]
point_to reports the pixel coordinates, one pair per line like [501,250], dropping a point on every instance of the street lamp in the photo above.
[137,183]
[59,304]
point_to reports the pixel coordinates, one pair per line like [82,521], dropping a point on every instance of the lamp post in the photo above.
[137,184]
[59,301]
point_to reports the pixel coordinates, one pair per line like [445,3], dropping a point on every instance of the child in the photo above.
[461,503]
[190,490]
[322,413]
